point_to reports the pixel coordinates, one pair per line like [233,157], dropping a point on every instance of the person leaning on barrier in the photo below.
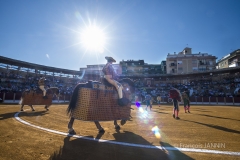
[112,77]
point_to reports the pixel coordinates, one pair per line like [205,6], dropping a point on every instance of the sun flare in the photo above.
[93,39]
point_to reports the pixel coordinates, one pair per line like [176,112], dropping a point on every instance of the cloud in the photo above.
[47,56]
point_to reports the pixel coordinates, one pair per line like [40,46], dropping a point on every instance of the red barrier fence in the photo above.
[210,100]
[17,96]
[196,100]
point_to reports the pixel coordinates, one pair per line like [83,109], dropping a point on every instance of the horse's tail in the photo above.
[73,100]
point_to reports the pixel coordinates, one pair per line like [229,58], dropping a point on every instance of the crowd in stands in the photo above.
[12,82]
[219,86]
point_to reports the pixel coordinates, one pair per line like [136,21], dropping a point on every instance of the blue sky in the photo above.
[48,32]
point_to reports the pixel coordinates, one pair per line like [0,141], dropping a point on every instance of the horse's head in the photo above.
[55,91]
[128,86]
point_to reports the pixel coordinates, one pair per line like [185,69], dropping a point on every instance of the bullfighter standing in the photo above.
[186,101]
[176,96]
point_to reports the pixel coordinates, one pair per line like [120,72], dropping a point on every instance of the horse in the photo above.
[35,97]
[97,101]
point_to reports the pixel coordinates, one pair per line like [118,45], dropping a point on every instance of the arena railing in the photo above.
[15,98]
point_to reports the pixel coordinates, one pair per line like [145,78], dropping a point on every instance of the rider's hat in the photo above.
[110,59]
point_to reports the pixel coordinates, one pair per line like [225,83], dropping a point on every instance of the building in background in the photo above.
[230,60]
[139,67]
[187,62]
[164,67]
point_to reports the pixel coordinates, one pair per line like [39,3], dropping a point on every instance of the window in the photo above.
[194,68]
[179,62]
[194,61]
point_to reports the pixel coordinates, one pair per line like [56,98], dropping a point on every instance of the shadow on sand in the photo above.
[22,114]
[215,127]
[7,115]
[160,112]
[217,117]
[33,113]
[132,147]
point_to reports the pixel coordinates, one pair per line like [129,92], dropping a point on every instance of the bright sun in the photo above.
[93,39]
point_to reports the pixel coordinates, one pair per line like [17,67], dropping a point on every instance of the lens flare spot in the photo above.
[138,104]
[158,135]
[156,132]
[141,109]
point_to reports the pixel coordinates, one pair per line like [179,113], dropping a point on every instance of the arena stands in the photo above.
[219,86]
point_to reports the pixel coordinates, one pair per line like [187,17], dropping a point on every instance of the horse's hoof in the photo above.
[123,122]
[46,108]
[71,131]
[33,110]
[101,130]
[21,110]
[117,127]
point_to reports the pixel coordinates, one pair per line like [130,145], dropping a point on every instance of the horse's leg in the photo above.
[70,126]
[21,108]
[99,127]
[32,108]
[46,107]
[123,121]
[116,125]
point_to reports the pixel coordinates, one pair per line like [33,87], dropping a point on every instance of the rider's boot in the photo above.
[45,97]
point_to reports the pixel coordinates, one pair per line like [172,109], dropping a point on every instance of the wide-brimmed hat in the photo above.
[110,59]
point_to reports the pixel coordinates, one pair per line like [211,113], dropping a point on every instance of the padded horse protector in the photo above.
[99,105]
[35,98]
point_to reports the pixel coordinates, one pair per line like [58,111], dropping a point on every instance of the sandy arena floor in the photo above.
[205,129]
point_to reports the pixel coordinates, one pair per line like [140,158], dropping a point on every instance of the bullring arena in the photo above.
[208,132]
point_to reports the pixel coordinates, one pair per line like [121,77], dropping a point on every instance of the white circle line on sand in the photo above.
[129,144]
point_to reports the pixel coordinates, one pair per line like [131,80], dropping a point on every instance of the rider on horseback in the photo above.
[111,77]
[41,86]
